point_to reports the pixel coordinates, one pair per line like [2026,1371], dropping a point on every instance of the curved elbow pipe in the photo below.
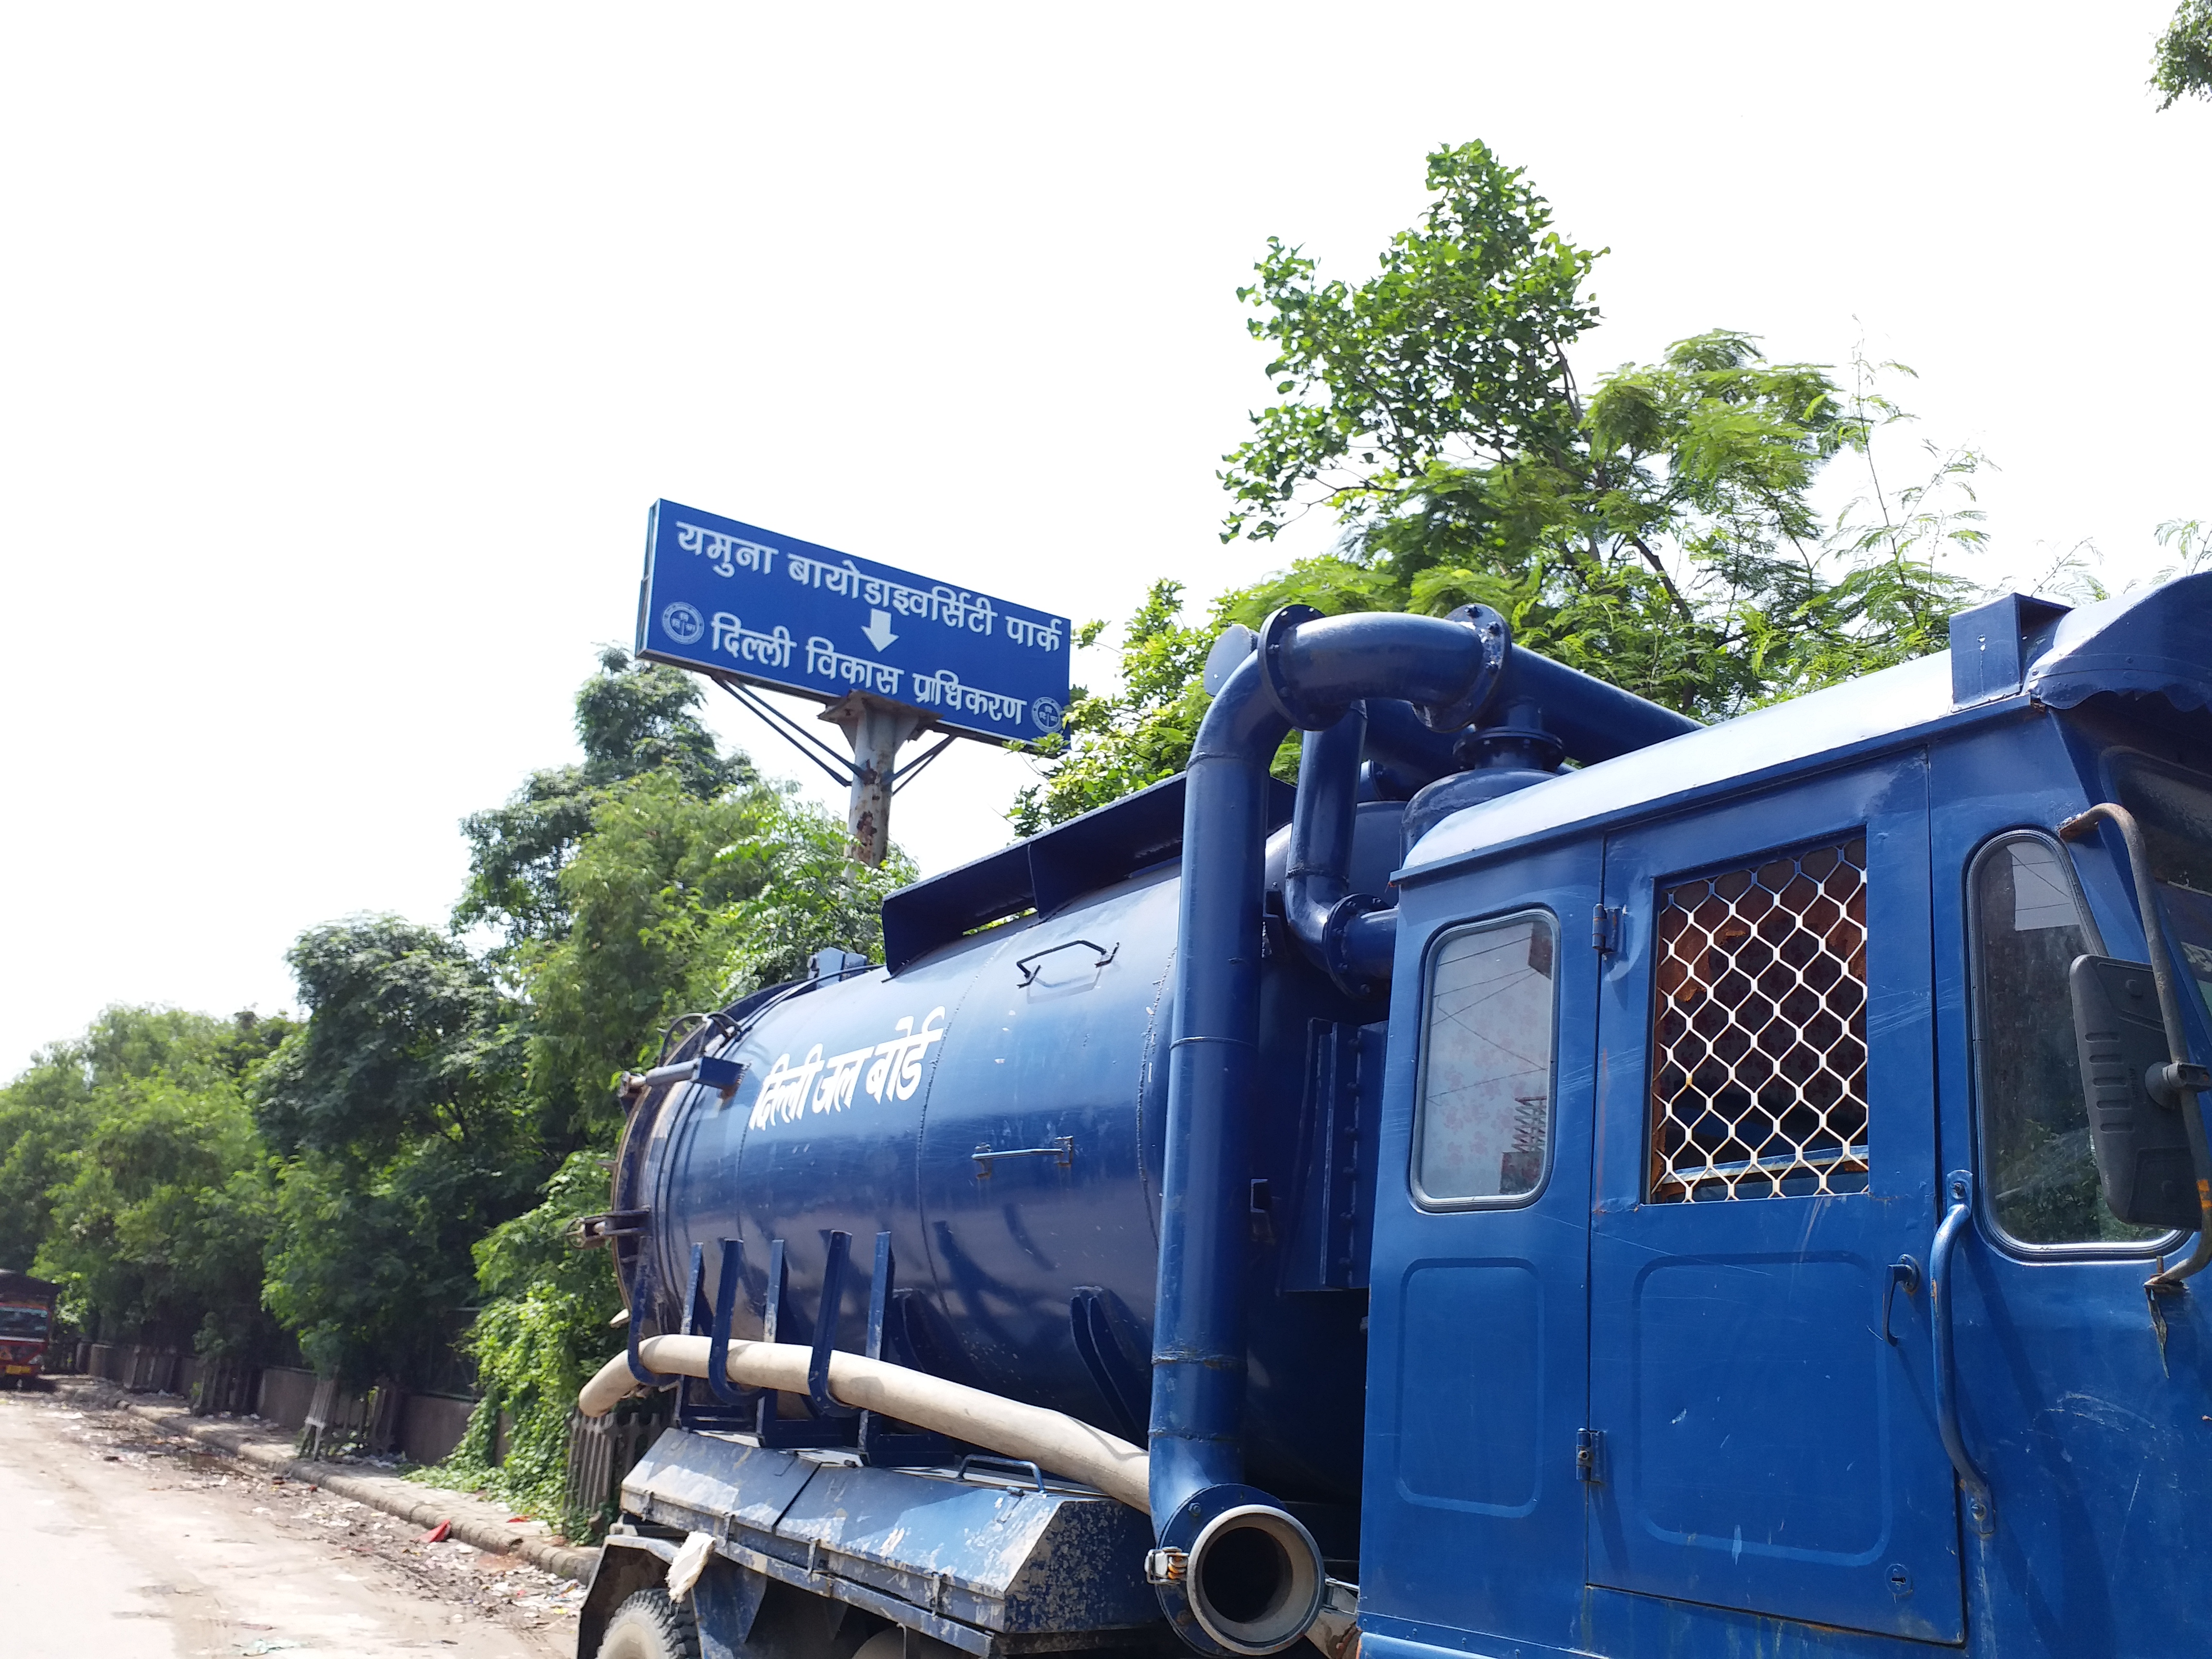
[1352,937]
[1307,672]
[1349,936]
[1404,747]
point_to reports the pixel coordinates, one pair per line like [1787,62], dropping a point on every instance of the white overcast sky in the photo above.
[342,348]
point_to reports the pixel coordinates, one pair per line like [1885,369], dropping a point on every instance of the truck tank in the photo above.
[996,1103]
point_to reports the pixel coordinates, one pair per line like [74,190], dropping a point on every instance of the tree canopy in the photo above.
[632,718]
[1657,530]
[131,1175]
[2182,66]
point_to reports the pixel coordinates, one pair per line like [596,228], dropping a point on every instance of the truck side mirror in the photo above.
[2136,1096]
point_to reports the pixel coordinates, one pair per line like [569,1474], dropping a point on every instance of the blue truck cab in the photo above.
[1707,1184]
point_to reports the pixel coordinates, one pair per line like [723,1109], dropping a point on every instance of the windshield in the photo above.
[2175,810]
[23,1324]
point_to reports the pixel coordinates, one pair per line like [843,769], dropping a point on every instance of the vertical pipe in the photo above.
[1318,878]
[1306,672]
[1198,1350]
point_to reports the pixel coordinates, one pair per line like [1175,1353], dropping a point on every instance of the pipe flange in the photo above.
[1497,640]
[1274,633]
[1256,1597]
[1530,748]
[1336,957]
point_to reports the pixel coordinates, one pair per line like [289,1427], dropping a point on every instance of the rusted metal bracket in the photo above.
[587,1232]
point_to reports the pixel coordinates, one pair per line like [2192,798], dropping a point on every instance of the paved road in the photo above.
[114,1544]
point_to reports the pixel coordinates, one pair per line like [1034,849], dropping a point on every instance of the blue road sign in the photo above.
[749,603]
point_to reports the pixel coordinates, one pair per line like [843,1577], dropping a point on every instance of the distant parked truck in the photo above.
[26,1325]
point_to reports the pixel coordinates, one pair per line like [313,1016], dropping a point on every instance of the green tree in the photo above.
[657,864]
[2190,540]
[1454,354]
[2182,66]
[160,1228]
[45,1115]
[632,718]
[132,1175]
[676,903]
[543,1329]
[810,894]
[398,1117]
[1658,532]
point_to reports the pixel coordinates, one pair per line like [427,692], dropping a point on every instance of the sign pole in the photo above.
[877,729]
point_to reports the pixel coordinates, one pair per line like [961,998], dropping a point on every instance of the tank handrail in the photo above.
[1053,1440]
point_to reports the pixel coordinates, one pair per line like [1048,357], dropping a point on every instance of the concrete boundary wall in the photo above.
[432,1425]
[474,1521]
[285,1394]
[424,1428]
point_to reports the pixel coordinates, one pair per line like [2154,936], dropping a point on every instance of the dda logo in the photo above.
[683,623]
[1044,713]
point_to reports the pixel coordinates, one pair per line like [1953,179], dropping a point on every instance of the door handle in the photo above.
[1956,1220]
[1903,1274]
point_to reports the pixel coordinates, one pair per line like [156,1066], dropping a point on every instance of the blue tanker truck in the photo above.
[1561,1181]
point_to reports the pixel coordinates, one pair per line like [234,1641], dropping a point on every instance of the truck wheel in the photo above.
[648,1626]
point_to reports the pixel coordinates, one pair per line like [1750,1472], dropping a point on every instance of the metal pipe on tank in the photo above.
[1349,936]
[1352,937]
[1306,672]
[1595,721]
[1404,748]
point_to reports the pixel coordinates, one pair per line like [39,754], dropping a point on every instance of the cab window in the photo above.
[1485,1128]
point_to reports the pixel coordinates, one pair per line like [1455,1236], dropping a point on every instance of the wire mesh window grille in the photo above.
[1759,1031]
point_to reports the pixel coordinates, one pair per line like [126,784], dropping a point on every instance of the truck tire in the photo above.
[648,1626]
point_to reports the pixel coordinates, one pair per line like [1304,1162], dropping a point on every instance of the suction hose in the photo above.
[1052,1440]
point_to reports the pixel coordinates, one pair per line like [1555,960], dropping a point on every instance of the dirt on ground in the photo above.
[259,1563]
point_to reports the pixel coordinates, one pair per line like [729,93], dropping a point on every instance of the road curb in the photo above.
[411,1501]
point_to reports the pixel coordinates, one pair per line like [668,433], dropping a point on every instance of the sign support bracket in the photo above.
[839,768]
[877,728]
[900,778]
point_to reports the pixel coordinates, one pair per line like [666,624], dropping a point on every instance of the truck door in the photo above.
[1472,1518]
[2088,1420]
[1763,1438]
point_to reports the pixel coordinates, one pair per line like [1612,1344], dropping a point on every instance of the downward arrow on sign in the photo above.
[879,631]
